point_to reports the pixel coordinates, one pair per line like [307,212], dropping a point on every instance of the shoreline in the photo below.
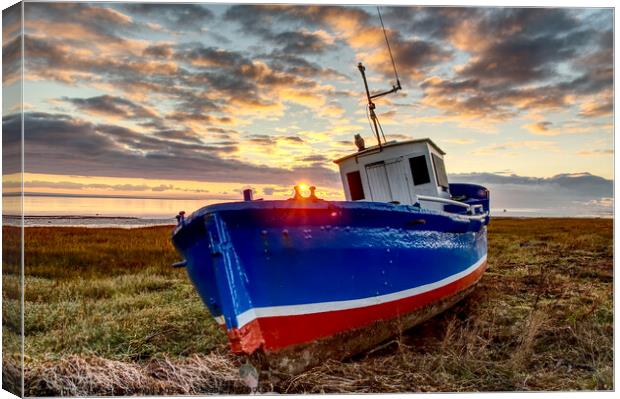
[132,222]
[123,222]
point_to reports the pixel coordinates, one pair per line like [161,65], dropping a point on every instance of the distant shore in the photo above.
[128,222]
[86,221]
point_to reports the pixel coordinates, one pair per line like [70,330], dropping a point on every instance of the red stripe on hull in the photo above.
[274,333]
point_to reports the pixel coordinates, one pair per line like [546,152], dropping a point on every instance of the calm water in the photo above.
[132,212]
[125,207]
[99,212]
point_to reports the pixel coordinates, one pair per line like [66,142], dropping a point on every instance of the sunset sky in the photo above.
[201,101]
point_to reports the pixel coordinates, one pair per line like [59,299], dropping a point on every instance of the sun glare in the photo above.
[304,189]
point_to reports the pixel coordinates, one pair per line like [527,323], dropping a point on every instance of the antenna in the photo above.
[394,89]
[389,49]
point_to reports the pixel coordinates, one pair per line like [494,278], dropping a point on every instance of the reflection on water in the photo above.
[162,211]
[124,207]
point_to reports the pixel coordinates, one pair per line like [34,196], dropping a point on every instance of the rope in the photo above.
[381,127]
[372,129]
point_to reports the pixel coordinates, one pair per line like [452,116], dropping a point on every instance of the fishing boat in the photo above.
[295,282]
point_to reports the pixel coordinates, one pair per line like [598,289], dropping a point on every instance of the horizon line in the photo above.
[117,196]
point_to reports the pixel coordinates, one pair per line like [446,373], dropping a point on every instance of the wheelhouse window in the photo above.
[440,171]
[419,170]
[355,186]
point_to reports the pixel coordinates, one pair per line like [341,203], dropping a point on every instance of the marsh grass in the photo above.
[105,314]
[110,292]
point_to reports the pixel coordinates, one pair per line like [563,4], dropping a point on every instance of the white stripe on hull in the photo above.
[320,307]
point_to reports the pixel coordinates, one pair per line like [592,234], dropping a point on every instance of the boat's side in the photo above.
[293,276]
[297,358]
[277,327]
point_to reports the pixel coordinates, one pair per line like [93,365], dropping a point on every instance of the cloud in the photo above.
[164,50]
[67,185]
[51,59]
[543,128]
[277,190]
[112,106]
[168,88]
[414,57]
[258,19]
[199,80]
[293,139]
[598,108]
[299,42]
[510,147]
[296,65]
[522,59]
[262,139]
[519,59]
[79,22]
[11,22]
[353,25]
[251,85]
[188,135]
[576,126]
[163,187]
[213,57]
[576,194]
[584,185]
[596,152]
[11,47]
[11,144]
[314,158]
[177,17]
[61,144]
[515,59]
[268,140]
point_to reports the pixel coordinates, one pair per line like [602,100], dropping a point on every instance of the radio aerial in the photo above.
[376,125]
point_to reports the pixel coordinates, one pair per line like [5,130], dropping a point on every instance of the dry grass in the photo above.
[96,376]
[102,320]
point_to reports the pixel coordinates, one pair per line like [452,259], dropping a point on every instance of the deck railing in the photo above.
[473,210]
[444,201]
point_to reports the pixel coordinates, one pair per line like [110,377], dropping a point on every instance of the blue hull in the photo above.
[272,260]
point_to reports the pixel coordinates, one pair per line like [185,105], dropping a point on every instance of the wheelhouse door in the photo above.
[388,182]
[378,182]
[399,184]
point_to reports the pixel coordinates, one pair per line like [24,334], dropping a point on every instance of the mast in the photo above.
[376,125]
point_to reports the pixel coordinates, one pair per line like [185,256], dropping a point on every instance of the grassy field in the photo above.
[105,314]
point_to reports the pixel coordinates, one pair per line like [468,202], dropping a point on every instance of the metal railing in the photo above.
[444,201]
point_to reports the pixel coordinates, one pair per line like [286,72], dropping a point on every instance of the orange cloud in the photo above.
[544,128]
